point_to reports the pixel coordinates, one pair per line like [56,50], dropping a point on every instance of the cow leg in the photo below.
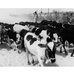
[40,62]
[72,53]
[8,42]
[23,45]
[61,49]
[1,39]
[65,50]
[33,61]
[28,61]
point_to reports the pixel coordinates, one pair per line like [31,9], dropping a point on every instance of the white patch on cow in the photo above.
[66,43]
[71,44]
[17,28]
[56,37]
[51,45]
[44,34]
[18,37]
[43,41]
[31,27]
[14,45]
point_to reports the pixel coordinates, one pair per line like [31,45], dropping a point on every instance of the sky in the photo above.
[13,15]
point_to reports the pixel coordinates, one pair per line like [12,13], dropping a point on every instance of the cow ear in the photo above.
[42,45]
[48,39]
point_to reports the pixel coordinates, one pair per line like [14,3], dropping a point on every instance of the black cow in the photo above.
[66,35]
[11,35]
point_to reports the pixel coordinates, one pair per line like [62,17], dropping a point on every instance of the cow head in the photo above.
[50,52]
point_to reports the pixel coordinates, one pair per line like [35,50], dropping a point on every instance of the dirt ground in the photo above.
[9,57]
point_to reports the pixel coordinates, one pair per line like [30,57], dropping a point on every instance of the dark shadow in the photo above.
[51,65]
[70,50]
[60,54]
[4,46]
[8,48]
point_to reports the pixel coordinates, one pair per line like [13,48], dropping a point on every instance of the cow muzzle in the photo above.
[53,60]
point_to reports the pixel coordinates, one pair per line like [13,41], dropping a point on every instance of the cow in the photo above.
[66,35]
[11,36]
[17,28]
[34,47]
[46,36]
[52,24]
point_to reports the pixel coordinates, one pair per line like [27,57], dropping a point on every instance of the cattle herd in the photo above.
[39,39]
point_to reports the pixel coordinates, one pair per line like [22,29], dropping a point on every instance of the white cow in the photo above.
[34,48]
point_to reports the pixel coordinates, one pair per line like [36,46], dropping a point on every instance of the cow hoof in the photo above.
[47,61]
[19,52]
[60,51]
[29,63]
[71,55]
[66,53]
[40,65]
[32,61]
[10,47]
[14,49]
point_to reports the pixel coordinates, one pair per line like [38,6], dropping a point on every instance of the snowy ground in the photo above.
[9,57]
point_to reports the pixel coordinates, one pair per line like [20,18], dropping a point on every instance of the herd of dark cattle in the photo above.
[64,36]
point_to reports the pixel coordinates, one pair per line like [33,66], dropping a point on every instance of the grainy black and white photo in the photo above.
[36,37]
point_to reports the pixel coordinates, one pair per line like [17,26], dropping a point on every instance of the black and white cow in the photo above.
[11,35]
[35,47]
[13,31]
[17,28]
[46,36]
